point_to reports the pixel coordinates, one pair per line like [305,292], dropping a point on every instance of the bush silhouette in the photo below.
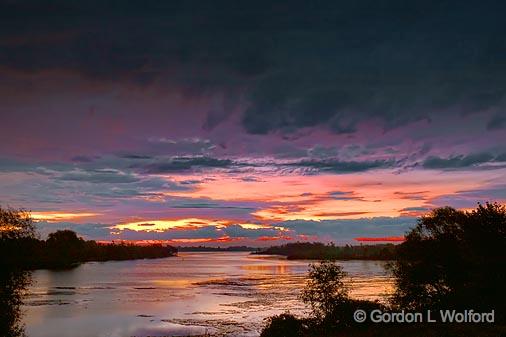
[284,325]
[325,290]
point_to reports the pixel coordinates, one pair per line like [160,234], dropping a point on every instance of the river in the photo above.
[218,293]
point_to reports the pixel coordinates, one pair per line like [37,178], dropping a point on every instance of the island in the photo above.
[322,251]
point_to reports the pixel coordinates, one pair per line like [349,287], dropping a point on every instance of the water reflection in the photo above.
[280,269]
[221,294]
[13,285]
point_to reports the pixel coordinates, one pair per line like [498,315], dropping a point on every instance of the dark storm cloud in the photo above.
[159,165]
[135,156]
[100,177]
[497,122]
[461,161]
[185,146]
[134,41]
[179,164]
[296,64]
[415,209]
[338,166]
[340,195]
[390,61]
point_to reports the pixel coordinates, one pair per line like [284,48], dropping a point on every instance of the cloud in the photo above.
[417,195]
[246,91]
[470,198]
[91,231]
[346,230]
[339,231]
[83,159]
[381,239]
[375,64]
[250,179]
[207,232]
[196,203]
[136,156]
[107,176]
[339,214]
[185,146]
[497,122]
[415,209]
[341,195]
[106,232]
[338,166]
[461,161]
[328,65]
[238,231]
[94,231]
[179,164]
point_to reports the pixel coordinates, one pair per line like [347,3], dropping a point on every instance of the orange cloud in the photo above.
[320,197]
[61,216]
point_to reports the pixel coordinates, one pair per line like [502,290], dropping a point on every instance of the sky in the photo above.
[250,123]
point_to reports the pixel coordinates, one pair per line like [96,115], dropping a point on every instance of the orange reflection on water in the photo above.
[276,269]
[369,288]
[178,283]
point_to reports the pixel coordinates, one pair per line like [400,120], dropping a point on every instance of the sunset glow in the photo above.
[299,133]
[61,216]
[249,168]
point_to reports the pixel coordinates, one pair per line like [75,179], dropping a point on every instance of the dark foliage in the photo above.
[451,260]
[331,308]
[13,284]
[64,249]
[321,251]
[454,259]
[287,326]
[284,325]
[325,290]
[16,224]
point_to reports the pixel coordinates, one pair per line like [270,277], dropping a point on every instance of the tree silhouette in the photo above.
[17,231]
[454,259]
[325,289]
[13,285]
[16,224]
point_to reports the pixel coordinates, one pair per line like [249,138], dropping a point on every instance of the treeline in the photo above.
[65,249]
[21,249]
[321,251]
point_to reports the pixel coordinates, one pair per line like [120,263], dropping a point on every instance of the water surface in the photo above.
[223,294]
